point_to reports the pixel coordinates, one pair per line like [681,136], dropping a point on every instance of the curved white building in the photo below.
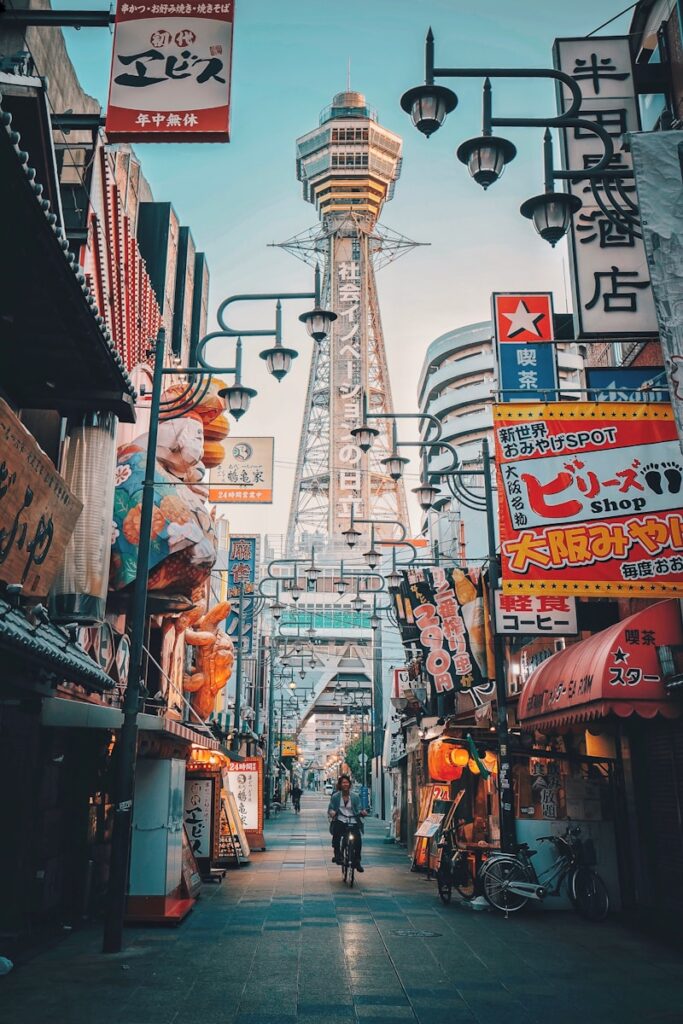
[458,384]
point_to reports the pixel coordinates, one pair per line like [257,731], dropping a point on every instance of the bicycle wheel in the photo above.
[443,883]
[464,879]
[350,876]
[500,872]
[589,894]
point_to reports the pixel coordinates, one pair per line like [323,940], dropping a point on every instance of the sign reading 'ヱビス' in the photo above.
[170,73]
[591,499]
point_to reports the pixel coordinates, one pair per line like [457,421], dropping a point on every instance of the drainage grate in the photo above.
[293,863]
[415,933]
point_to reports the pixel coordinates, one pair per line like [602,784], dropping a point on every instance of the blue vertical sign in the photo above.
[242,569]
[523,325]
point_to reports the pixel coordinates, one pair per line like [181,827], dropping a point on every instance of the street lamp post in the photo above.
[126,749]
[238,398]
[487,155]
[426,495]
[235,745]
[271,726]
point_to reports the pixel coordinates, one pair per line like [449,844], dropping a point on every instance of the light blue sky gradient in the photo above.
[289,60]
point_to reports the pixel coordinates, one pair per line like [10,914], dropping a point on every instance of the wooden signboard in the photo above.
[233,847]
[244,779]
[38,512]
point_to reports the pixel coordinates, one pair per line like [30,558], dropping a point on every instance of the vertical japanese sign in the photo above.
[198,817]
[447,609]
[242,559]
[170,72]
[245,781]
[245,476]
[657,162]
[590,499]
[523,325]
[348,482]
[610,281]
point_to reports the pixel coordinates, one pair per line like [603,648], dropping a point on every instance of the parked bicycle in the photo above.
[509,881]
[348,854]
[454,869]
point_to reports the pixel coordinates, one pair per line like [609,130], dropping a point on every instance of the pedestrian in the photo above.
[297,792]
[344,810]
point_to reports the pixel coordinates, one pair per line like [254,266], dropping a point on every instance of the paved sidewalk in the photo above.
[282,941]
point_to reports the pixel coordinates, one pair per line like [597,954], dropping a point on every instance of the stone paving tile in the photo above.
[291,945]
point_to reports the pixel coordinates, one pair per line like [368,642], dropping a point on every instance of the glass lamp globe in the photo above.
[486,157]
[428,106]
[551,214]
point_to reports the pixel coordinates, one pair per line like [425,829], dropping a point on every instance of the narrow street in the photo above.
[282,941]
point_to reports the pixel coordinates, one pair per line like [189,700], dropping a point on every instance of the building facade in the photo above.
[457,385]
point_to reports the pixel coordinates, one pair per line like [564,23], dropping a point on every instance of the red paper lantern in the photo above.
[441,767]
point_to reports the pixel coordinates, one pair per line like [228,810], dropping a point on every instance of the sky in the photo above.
[288,62]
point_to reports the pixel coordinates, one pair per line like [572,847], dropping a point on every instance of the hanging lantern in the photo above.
[80,590]
[441,768]
[490,761]
[459,756]
[473,766]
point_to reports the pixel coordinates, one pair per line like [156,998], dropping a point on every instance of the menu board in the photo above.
[244,779]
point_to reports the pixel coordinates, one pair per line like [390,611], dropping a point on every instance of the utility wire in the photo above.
[609,22]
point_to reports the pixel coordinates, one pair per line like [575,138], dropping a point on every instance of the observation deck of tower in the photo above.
[348,167]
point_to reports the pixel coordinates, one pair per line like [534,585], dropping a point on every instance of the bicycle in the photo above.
[348,855]
[454,869]
[509,881]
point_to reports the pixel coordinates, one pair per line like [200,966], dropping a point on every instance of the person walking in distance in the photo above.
[344,810]
[296,797]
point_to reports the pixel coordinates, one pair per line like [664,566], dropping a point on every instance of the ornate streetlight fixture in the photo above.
[487,155]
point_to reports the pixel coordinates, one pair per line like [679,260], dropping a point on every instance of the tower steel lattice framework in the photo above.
[348,167]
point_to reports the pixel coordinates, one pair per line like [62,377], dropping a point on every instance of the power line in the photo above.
[616,16]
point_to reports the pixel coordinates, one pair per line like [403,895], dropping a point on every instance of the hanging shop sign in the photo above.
[245,782]
[523,325]
[170,72]
[657,162]
[626,383]
[591,499]
[245,476]
[200,809]
[446,608]
[610,280]
[242,560]
[530,614]
[38,512]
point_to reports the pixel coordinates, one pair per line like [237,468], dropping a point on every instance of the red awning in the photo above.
[616,671]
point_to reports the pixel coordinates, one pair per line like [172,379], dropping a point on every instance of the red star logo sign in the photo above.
[521,318]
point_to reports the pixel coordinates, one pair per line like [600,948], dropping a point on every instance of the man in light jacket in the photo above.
[344,810]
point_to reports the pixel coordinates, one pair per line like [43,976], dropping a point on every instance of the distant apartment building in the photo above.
[457,385]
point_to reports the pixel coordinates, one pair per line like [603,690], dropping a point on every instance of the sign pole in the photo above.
[126,747]
[507,820]
[238,671]
[271,726]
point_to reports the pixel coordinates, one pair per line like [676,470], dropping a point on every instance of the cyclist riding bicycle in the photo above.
[344,811]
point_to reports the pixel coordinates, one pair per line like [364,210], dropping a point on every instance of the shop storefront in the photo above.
[607,752]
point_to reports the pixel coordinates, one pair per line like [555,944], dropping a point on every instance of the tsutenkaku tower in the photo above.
[348,167]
